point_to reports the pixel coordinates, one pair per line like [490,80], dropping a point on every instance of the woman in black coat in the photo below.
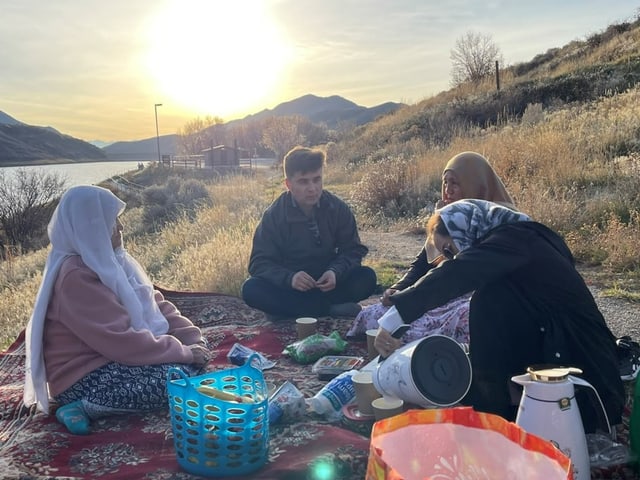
[530,305]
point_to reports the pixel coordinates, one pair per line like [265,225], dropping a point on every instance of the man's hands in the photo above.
[327,281]
[303,282]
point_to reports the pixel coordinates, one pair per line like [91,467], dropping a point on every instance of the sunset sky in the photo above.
[94,69]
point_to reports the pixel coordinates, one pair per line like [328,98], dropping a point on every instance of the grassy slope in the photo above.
[562,133]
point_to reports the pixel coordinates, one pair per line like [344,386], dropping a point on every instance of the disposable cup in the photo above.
[385,407]
[371,336]
[306,326]
[365,391]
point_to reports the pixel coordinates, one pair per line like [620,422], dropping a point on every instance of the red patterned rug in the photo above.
[36,447]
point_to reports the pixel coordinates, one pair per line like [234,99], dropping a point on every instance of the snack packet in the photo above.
[286,404]
[315,346]
[239,354]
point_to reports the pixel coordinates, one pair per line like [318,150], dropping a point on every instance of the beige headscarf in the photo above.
[478,179]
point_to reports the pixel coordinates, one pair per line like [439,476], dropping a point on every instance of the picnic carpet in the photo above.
[36,447]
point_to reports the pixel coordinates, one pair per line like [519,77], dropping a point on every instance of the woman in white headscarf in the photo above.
[529,305]
[100,339]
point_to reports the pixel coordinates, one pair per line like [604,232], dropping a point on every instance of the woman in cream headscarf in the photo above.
[469,175]
[466,175]
[100,339]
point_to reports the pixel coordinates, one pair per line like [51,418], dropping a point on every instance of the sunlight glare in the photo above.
[215,57]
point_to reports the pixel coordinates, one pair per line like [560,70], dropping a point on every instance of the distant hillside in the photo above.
[144,150]
[8,120]
[22,144]
[583,71]
[328,110]
[99,143]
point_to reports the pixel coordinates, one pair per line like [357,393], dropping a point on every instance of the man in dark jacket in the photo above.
[306,256]
[530,305]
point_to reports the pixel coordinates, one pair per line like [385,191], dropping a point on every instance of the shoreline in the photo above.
[49,162]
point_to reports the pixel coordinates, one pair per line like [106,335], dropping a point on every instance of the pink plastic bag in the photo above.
[454,443]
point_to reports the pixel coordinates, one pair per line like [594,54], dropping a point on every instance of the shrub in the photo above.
[533,114]
[27,201]
[165,203]
[393,189]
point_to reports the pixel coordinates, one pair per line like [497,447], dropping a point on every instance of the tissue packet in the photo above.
[239,354]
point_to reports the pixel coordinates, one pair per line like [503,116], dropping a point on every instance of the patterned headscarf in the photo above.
[469,220]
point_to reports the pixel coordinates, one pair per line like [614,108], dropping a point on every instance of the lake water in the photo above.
[79,173]
[95,172]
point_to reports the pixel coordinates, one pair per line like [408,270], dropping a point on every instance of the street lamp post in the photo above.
[155,107]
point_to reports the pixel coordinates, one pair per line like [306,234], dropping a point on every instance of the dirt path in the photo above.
[393,246]
[622,316]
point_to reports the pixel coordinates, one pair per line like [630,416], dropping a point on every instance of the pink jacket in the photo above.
[86,327]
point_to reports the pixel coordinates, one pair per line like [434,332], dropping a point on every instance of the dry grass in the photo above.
[210,252]
[575,168]
[569,168]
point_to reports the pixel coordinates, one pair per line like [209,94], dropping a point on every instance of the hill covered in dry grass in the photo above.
[563,132]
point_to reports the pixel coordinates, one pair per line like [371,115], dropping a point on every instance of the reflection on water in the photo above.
[79,173]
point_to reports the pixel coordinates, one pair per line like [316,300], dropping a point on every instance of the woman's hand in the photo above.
[385,344]
[201,355]
[384,299]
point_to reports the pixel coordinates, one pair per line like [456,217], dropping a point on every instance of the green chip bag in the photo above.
[315,346]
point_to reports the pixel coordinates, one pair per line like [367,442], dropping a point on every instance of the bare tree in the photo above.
[313,133]
[281,134]
[248,133]
[473,57]
[26,202]
[197,134]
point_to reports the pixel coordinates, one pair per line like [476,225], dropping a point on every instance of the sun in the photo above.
[215,57]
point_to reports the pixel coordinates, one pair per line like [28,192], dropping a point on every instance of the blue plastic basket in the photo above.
[214,437]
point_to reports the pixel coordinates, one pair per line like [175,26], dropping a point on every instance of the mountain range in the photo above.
[331,110]
[22,144]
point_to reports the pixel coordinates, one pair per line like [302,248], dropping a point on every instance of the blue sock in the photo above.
[73,416]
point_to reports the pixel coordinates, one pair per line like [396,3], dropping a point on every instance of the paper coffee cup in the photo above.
[306,326]
[385,407]
[365,391]
[371,337]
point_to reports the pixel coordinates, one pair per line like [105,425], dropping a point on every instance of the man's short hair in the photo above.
[303,160]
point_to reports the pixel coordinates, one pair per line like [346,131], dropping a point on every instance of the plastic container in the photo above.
[430,371]
[331,366]
[333,396]
[214,437]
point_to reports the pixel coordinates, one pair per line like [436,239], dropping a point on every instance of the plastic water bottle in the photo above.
[334,395]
